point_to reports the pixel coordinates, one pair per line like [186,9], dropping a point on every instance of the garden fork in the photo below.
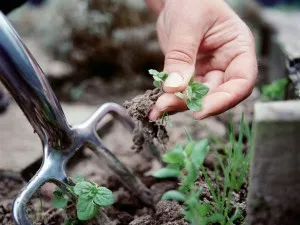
[26,82]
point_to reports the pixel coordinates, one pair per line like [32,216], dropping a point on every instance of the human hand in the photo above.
[204,38]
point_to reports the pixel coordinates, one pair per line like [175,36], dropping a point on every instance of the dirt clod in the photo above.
[143,220]
[169,212]
[146,131]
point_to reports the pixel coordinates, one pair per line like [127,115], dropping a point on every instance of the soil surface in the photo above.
[127,208]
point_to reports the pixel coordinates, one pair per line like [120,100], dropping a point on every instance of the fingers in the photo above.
[212,79]
[185,29]
[169,102]
[166,103]
[239,80]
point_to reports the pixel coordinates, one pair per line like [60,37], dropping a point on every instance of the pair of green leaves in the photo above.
[193,95]
[90,198]
[180,157]
[158,77]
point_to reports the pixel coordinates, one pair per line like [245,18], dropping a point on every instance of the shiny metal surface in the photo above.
[24,79]
[26,82]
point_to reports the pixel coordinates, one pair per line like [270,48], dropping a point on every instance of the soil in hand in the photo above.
[146,131]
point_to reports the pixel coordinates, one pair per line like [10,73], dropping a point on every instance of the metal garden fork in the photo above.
[25,80]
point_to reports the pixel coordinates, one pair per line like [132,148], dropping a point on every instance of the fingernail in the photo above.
[174,80]
[154,114]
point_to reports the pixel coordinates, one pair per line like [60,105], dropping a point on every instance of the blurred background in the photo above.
[100,50]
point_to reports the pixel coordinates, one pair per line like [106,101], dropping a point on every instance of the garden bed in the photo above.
[127,209]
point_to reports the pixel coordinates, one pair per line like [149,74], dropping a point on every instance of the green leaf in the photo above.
[156,78]
[190,92]
[215,218]
[198,192]
[104,197]
[166,173]
[163,75]
[199,152]
[157,84]
[86,208]
[85,189]
[179,95]
[192,173]
[71,189]
[59,200]
[203,209]
[199,89]
[191,80]
[236,215]
[153,72]
[194,104]
[173,195]
[78,178]
[189,148]
[174,156]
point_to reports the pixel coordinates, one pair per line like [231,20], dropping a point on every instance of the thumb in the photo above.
[180,56]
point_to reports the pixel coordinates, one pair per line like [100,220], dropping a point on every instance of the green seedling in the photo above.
[275,91]
[90,198]
[186,164]
[193,95]
[183,162]
[159,77]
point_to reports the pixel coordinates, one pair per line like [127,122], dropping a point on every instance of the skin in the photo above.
[205,38]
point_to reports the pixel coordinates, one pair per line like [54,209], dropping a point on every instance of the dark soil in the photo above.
[126,210]
[10,185]
[146,131]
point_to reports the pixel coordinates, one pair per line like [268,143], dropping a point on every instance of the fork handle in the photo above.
[28,85]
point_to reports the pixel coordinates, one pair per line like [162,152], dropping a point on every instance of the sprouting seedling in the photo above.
[158,77]
[193,95]
[183,162]
[90,198]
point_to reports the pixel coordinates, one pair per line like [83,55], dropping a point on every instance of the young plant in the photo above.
[159,77]
[185,162]
[234,170]
[90,198]
[193,95]
[274,91]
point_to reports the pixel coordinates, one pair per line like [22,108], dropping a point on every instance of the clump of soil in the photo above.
[167,213]
[146,131]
